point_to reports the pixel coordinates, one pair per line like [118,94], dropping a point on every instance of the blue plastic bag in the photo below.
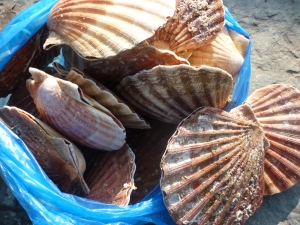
[42,200]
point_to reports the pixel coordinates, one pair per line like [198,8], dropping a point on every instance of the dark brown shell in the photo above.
[171,93]
[110,175]
[22,99]
[15,72]
[212,170]
[148,147]
[61,160]
[111,70]
[277,108]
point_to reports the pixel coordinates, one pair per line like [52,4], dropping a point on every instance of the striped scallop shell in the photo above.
[193,24]
[61,160]
[171,93]
[212,170]
[110,175]
[111,70]
[127,116]
[277,108]
[223,52]
[102,28]
[65,107]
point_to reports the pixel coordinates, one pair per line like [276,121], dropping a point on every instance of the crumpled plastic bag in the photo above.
[43,201]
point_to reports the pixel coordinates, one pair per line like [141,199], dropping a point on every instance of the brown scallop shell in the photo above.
[127,116]
[22,99]
[60,159]
[104,28]
[64,106]
[171,93]
[148,147]
[15,72]
[110,175]
[212,170]
[110,71]
[277,108]
[193,24]
[223,53]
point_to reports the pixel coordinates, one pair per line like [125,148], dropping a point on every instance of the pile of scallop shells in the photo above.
[140,99]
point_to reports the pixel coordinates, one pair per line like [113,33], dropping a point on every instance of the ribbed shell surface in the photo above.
[63,105]
[102,28]
[277,108]
[110,71]
[171,93]
[61,160]
[221,53]
[127,116]
[110,175]
[212,170]
[193,24]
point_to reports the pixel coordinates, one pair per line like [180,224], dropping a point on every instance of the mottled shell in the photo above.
[223,53]
[15,72]
[171,93]
[277,108]
[102,28]
[61,160]
[148,147]
[127,116]
[64,106]
[212,170]
[110,175]
[22,99]
[110,71]
[193,24]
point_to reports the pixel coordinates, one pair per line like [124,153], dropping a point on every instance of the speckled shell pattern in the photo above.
[110,175]
[193,24]
[212,170]
[221,53]
[61,160]
[111,70]
[64,106]
[277,109]
[171,93]
[125,114]
[102,28]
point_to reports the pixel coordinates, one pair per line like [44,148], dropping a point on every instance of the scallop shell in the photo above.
[223,53]
[15,72]
[148,147]
[64,106]
[127,116]
[193,24]
[212,170]
[104,28]
[171,93]
[22,99]
[277,108]
[110,175]
[110,71]
[60,159]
